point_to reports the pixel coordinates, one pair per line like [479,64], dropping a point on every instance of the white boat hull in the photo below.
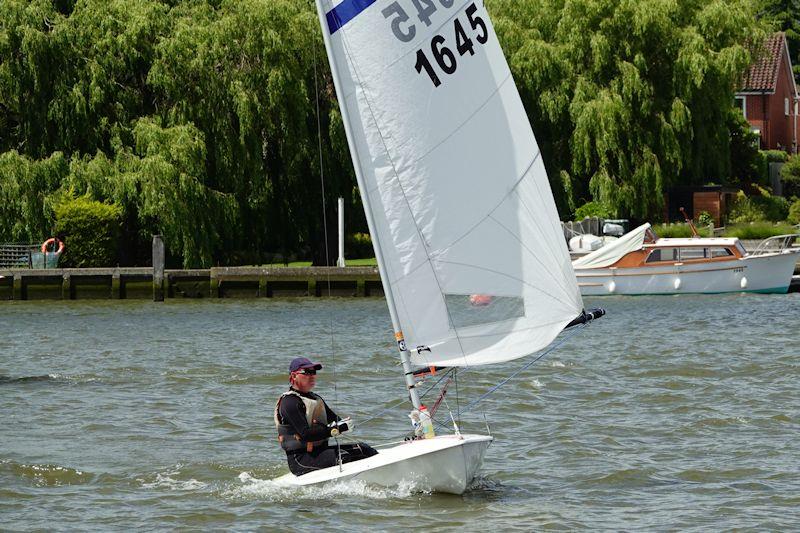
[767,273]
[442,464]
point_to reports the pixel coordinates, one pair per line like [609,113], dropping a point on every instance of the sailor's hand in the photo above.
[340,427]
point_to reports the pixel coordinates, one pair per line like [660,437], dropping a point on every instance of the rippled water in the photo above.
[671,412]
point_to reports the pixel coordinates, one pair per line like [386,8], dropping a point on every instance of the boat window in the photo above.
[693,252]
[476,309]
[662,254]
[719,252]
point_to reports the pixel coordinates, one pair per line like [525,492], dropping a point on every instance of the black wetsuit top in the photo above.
[293,413]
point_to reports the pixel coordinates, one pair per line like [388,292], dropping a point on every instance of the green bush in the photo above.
[744,211]
[593,209]
[776,208]
[758,230]
[790,176]
[794,213]
[680,230]
[705,218]
[90,231]
[748,209]
[775,156]
[358,245]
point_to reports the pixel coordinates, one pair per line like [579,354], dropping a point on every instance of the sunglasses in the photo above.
[308,372]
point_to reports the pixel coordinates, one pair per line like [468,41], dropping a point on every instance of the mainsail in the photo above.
[471,248]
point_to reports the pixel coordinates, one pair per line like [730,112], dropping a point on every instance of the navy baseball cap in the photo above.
[299,363]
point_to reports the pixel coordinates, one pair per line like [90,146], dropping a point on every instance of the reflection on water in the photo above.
[157,416]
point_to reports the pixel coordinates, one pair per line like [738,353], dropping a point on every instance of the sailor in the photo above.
[305,423]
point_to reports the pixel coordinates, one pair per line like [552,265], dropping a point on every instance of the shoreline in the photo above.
[215,282]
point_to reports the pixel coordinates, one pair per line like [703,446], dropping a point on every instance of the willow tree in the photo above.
[628,97]
[160,186]
[243,74]
[784,15]
[75,83]
[26,185]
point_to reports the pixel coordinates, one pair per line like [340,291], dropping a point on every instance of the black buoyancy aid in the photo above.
[288,438]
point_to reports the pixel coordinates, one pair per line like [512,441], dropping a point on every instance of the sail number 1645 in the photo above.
[443,55]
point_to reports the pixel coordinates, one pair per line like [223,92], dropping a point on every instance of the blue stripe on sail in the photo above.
[345,12]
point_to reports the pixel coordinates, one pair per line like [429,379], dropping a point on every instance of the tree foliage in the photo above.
[629,96]
[211,121]
[784,15]
[199,119]
[90,231]
[25,186]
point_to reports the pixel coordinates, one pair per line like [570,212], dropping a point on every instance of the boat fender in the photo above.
[677,283]
[743,283]
[612,286]
[55,241]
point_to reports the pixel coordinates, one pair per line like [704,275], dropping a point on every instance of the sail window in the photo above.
[475,309]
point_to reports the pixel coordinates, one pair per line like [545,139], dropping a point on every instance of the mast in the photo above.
[398,332]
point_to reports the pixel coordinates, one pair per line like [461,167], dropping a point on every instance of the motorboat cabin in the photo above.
[641,263]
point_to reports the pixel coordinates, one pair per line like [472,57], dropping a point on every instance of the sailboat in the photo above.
[466,233]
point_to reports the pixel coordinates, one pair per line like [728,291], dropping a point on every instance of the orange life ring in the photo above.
[53,240]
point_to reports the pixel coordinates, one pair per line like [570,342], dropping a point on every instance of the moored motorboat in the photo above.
[641,263]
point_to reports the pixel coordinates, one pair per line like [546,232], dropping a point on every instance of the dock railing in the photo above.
[18,255]
[777,244]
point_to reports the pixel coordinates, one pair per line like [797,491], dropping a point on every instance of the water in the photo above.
[670,413]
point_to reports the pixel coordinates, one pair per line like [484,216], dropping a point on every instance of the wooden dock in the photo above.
[220,282]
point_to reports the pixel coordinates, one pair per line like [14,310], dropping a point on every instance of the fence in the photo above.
[25,256]
[17,255]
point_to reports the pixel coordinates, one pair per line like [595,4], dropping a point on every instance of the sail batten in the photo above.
[474,263]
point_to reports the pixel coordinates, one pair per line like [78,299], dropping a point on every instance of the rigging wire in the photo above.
[525,367]
[454,371]
[325,222]
[404,400]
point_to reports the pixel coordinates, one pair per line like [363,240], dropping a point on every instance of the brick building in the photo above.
[768,97]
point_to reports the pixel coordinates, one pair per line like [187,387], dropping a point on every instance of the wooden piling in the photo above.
[116,288]
[158,268]
[361,287]
[213,286]
[18,291]
[66,286]
[262,287]
[312,287]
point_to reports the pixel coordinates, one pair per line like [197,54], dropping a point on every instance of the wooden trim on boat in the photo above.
[615,273]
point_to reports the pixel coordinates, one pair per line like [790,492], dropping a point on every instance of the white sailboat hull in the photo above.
[767,273]
[442,464]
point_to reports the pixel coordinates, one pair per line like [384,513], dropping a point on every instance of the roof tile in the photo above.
[763,74]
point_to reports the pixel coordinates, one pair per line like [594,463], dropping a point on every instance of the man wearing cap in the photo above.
[305,423]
